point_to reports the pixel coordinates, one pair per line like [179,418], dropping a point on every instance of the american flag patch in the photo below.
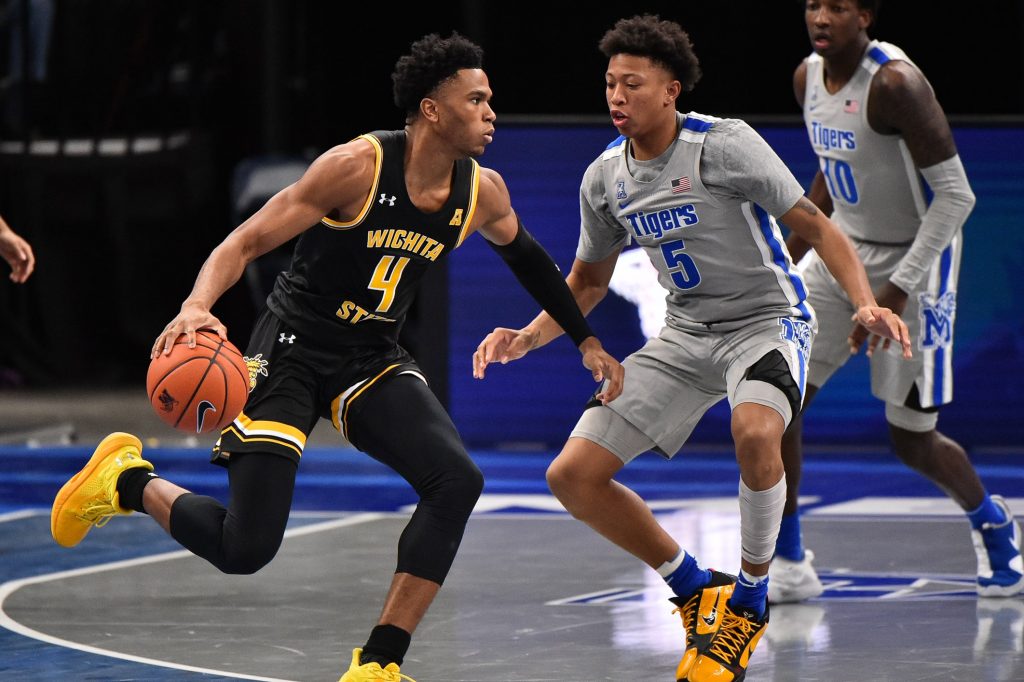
[851,106]
[680,185]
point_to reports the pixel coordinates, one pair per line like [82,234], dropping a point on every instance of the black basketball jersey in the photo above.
[352,283]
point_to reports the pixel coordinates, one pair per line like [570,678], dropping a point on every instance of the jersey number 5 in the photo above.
[385,279]
[680,265]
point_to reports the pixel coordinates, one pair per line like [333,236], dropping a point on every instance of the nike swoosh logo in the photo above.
[204,407]
[624,204]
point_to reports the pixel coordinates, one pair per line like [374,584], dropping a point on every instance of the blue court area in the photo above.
[128,604]
[337,479]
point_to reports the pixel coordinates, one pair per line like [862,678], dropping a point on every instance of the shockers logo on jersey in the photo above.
[937,317]
[257,367]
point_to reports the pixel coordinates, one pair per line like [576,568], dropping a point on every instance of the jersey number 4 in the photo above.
[385,279]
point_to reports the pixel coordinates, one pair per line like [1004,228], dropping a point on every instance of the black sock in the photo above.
[386,644]
[130,485]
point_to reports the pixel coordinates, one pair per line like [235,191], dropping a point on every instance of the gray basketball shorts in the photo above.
[673,379]
[929,314]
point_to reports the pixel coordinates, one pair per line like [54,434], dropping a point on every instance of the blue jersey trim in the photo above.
[939,378]
[616,142]
[781,261]
[697,125]
[878,55]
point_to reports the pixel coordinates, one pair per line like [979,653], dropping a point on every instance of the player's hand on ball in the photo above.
[190,320]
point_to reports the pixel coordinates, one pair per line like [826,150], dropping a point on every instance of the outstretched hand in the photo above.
[18,254]
[603,366]
[876,324]
[505,345]
[187,322]
[502,345]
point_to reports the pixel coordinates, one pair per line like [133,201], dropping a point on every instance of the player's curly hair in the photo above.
[431,61]
[664,42]
[870,5]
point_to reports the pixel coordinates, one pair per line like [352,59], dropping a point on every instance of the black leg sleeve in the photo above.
[246,535]
[402,425]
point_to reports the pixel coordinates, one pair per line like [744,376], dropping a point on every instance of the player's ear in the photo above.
[672,92]
[864,19]
[428,109]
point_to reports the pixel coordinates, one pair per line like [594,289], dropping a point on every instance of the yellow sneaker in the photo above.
[372,672]
[727,657]
[90,497]
[701,613]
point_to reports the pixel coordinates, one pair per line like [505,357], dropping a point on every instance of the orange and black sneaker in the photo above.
[726,658]
[701,613]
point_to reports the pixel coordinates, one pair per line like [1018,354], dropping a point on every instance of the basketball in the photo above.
[198,389]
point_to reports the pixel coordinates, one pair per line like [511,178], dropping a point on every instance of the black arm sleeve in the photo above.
[539,275]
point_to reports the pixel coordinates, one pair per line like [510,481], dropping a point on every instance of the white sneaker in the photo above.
[793,581]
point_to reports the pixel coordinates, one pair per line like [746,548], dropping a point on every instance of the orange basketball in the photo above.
[198,389]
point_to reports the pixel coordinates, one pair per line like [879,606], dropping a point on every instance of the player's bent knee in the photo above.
[462,486]
[247,560]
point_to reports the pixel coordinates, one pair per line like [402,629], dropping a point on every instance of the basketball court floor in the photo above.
[534,595]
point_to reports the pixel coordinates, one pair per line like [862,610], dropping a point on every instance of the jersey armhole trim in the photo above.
[474,190]
[378,162]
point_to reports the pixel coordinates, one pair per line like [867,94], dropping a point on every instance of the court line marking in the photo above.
[12,586]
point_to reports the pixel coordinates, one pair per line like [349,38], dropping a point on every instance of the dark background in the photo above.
[120,237]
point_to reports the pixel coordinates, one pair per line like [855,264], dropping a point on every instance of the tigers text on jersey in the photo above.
[722,260]
[352,283]
[858,162]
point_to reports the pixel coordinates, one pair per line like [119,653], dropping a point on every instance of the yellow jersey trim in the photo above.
[253,439]
[474,190]
[340,225]
[339,412]
[280,430]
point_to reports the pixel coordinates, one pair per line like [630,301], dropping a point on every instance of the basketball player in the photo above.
[884,145]
[383,208]
[17,252]
[698,194]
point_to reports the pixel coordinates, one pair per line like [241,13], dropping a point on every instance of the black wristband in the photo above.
[539,275]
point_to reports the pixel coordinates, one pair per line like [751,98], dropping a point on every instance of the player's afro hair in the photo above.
[664,42]
[431,61]
[870,5]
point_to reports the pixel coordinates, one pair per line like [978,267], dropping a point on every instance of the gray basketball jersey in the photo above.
[859,163]
[721,257]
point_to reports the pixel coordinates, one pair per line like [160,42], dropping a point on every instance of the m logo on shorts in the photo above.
[937,320]
[797,332]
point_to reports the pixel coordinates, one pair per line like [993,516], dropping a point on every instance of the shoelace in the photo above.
[97,513]
[732,637]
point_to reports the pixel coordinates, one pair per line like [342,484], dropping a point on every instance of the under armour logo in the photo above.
[384,197]
[283,338]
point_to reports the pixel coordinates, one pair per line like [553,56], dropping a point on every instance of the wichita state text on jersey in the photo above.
[352,283]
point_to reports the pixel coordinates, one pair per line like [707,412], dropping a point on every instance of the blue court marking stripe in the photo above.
[878,55]
[779,258]
[697,125]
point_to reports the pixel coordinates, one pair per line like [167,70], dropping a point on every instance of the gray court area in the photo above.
[532,598]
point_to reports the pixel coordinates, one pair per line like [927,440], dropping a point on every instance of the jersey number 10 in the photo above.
[839,177]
